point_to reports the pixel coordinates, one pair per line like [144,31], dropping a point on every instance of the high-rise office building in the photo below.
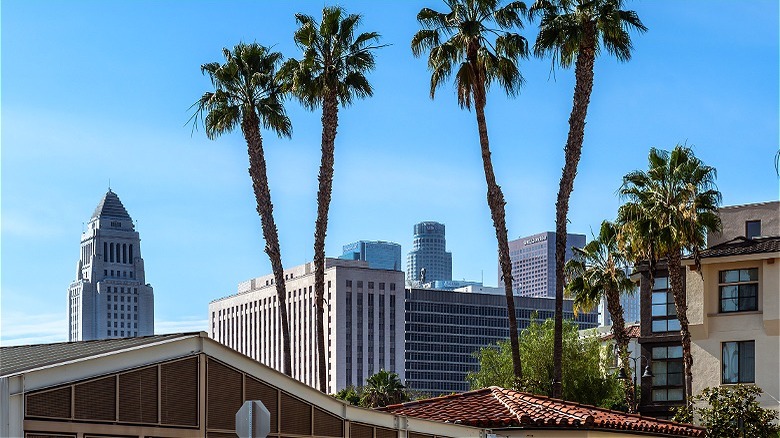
[429,252]
[444,329]
[110,297]
[379,254]
[364,317]
[630,305]
[533,263]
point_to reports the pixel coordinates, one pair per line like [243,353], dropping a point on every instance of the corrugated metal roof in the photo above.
[27,357]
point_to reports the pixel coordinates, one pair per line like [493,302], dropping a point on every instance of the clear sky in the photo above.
[99,90]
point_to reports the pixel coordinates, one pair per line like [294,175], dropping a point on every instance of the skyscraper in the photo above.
[429,252]
[533,263]
[110,297]
[379,254]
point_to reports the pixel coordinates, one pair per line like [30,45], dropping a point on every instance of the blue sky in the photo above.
[95,90]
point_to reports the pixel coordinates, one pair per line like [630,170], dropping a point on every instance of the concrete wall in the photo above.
[734,217]
[709,328]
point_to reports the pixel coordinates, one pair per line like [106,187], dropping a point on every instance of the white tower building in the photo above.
[110,297]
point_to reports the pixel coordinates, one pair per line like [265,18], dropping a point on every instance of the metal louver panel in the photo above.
[419,435]
[54,404]
[49,435]
[224,396]
[220,435]
[295,416]
[326,424]
[257,390]
[386,433]
[360,431]
[179,392]
[96,400]
[138,396]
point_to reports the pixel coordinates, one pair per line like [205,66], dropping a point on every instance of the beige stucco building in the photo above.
[734,305]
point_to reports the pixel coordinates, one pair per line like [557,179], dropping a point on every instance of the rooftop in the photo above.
[111,206]
[28,357]
[499,408]
[743,246]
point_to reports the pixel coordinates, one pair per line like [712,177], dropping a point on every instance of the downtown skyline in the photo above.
[94,92]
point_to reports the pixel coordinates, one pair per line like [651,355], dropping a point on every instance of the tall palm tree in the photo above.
[331,72]
[473,38]
[573,32]
[596,271]
[382,389]
[246,93]
[669,209]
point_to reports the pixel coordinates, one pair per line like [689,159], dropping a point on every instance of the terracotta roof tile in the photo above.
[634,332]
[497,408]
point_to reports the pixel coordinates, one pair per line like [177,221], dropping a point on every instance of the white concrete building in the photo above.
[110,297]
[364,315]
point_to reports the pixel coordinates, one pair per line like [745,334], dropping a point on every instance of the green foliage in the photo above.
[350,394]
[382,389]
[730,412]
[585,377]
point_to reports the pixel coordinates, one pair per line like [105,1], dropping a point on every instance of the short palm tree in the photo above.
[573,32]
[669,209]
[330,73]
[246,93]
[382,389]
[596,271]
[473,40]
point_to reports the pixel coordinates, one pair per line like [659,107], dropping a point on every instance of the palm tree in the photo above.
[382,389]
[246,93]
[669,210]
[573,31]
[473,39]
[331,72]
[596,271]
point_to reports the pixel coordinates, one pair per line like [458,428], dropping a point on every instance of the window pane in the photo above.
[675,394]
[659,310]
[674,379]
[674,367]
[659,297]
[748,274]
[671,310]
[730,362]
[675,351]
[674,325]
[752,229]
[659,395]
[659,353]
[747,303]
[729,276]
[728,292]
[659,326]
[747,362]
[660,283]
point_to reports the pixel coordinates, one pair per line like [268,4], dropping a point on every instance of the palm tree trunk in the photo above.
[621,340]
[250,126]
[583,72]
[330,120]
[496,202]
[681,305]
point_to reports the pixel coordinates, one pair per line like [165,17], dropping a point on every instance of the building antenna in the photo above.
[109,184]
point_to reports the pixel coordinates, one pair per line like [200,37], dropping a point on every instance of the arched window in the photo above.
[131,253]
[105,251]
[112,251]
[124,253]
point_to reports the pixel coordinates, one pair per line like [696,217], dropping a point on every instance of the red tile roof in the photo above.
[633,333]
[498,408]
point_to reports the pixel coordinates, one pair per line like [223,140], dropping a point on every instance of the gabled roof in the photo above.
[499,408]
[28,357]
[111,206]
[743,246]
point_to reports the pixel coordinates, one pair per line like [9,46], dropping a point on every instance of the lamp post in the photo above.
[621,375]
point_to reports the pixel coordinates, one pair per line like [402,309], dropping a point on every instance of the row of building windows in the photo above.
[117,253]
[119,274]
[359,284]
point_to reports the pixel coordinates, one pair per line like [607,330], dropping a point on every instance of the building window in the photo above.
[739,362]
[752,229]
[667,373]
[392,286]
[349,283]
[370,284]
[664,315]
[738,290]
[360,284]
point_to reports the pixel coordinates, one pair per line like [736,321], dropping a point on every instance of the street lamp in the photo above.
[621,375]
